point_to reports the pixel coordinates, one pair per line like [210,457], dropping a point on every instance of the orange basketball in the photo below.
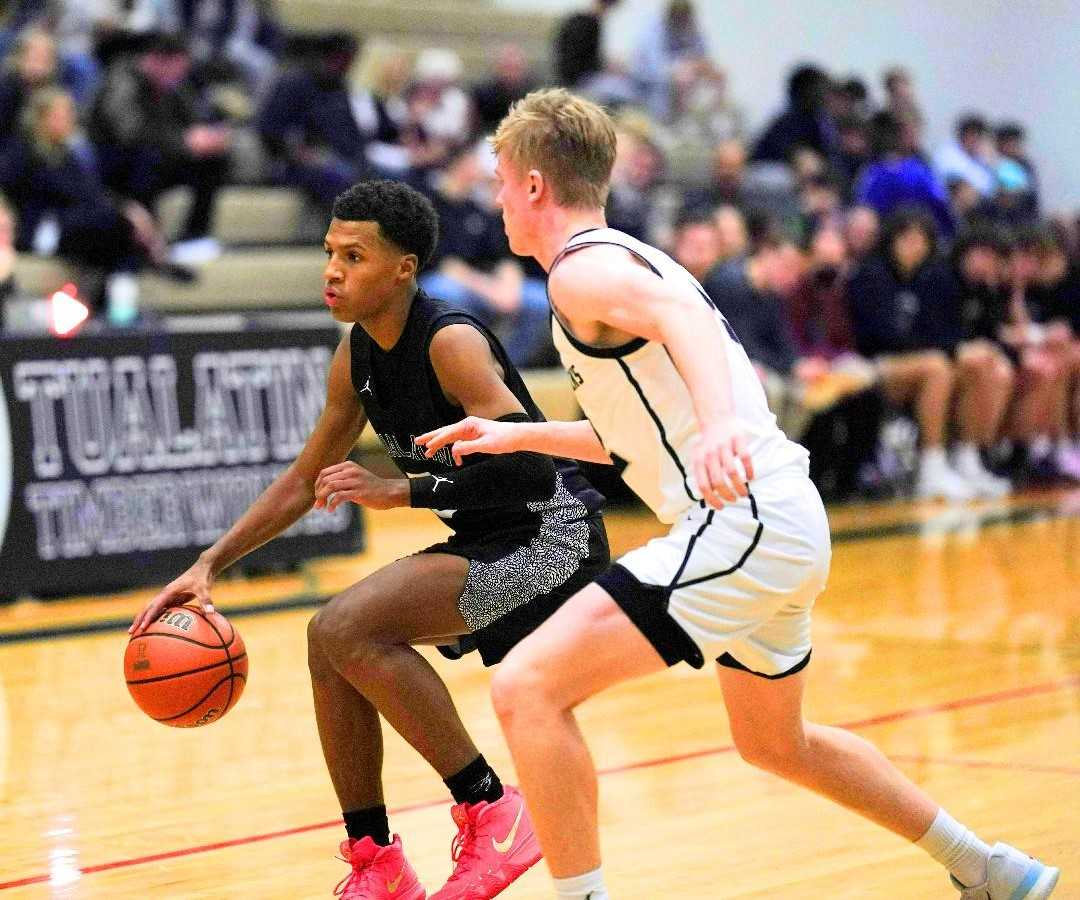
[187,669]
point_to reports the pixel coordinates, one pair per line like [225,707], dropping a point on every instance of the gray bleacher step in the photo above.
[245,215]
[264,278]
[261,278]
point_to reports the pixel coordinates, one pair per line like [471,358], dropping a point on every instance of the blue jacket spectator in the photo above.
[896,179]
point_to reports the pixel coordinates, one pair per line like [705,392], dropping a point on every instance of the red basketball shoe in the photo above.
[495,845]
[378,873]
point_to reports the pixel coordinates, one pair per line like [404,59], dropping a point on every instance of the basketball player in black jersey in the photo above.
[526,535]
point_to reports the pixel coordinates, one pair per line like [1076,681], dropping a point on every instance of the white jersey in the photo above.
[641,409]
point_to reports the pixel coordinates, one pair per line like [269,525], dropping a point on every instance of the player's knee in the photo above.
[516,688]
[936,367]
[771,752]
[317,661]
[339,633]
[1004,376]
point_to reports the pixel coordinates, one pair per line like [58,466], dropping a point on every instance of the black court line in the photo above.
[947,523]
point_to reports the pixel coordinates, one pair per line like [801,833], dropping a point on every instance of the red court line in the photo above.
[914,712]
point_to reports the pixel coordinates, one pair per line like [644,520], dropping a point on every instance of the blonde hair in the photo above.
[375,68]
[570,140]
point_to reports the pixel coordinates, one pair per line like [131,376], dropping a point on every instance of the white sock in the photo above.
[589,886]
[933,456]
[933,459]
[957,849]
[967,461]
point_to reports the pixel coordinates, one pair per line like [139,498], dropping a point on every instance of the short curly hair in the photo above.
[405,217]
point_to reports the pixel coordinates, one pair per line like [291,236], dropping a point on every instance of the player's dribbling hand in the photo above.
[471,435]
[722,464]
[350,482]
[194,584]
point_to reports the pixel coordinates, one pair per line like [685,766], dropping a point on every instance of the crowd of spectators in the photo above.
[871,278]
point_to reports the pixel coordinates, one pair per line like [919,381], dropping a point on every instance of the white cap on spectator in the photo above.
[438,64]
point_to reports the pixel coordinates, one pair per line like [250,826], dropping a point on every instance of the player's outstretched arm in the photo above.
[572,440]
[599,285]
[284,501]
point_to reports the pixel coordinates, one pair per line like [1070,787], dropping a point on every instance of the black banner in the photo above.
[123,455]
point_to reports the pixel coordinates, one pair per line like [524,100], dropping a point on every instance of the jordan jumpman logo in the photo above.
[367,387]
[439,480]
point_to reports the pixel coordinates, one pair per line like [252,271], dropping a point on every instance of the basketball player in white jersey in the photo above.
[670,395]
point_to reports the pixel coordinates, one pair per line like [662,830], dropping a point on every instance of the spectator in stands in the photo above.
[83,30]
[578,48]
[853,152]
[1012,203]
[821,199]
[439,108]
[510,80]
[843,436]
[1010,140]
[472,266]
[7,255]
[154,130]
[63,205]
[979,258]
[669,40]
[245,34]
[32,65]
[379,107]
[964,201]
[968,156]
[818,307]
[848,98]
[702,113]
[731,230]
[635,178]
[804,123]
[897,178]
[1058,297]
[906,314]
[900,97]
[752,293]
[862,227]
[307,121]
[697,244]
[735,183]
[1042,299]
[14,17]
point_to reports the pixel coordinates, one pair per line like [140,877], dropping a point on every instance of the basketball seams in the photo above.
[186,672]
[208,621]
[202,700]
[228,659]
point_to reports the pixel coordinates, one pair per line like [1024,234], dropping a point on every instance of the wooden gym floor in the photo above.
[950,637]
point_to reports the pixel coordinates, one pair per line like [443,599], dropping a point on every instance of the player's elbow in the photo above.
[536,476]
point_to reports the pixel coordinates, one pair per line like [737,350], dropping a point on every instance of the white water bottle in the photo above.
[122,299]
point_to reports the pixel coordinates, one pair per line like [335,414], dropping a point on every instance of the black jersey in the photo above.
[402,398]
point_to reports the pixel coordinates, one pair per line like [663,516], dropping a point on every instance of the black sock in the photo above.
[476,782]
[370,822]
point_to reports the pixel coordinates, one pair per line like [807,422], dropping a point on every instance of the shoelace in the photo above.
[360,875]
[463,849]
